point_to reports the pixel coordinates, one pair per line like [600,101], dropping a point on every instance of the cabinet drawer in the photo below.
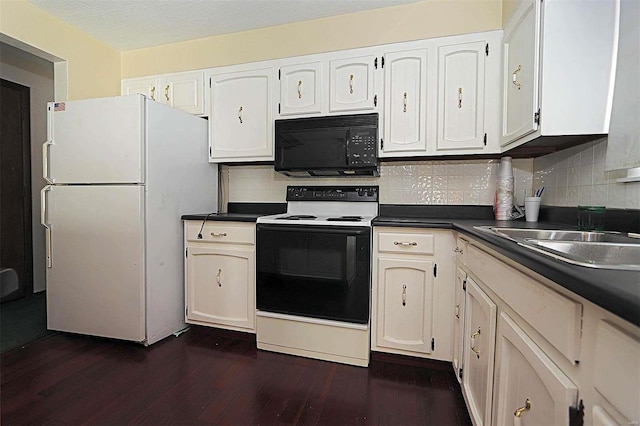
[553,315]
[221,232]
[393,242]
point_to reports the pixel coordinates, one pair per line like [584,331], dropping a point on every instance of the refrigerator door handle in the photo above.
[45,161]
[43,220]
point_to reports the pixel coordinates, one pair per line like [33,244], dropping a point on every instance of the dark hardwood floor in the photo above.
[206,376]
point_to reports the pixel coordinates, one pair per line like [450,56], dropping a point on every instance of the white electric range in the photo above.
[313,274]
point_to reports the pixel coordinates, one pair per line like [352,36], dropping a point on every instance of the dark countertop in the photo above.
[225,217]
[614,290]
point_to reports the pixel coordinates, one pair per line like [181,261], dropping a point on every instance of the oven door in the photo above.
[314,271]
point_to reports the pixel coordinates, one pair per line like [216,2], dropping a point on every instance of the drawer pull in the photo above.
[218,278]
[404,295]
[405,243]
[166,93]
[473,348]
[527,407]
[458,311]
[458,250]
[218,234]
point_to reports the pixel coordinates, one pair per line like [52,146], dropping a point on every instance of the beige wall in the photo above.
[93,67]
[508,7]
[425,19]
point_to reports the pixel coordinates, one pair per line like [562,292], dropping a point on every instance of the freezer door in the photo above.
[95,281]
[95,141]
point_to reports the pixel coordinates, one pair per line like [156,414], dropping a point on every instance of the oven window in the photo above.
[314,271]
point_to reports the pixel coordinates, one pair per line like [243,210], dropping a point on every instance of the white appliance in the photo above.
[313,274]
[121,172]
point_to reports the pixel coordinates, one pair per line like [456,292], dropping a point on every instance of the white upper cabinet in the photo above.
[468,86]
[461,70]
[405,103]
[301,88]
[241,119]
[147,86]
[351,84]
[558,70]
[184,90]
[521,56]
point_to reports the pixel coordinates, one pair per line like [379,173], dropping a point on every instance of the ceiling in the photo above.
[135,24]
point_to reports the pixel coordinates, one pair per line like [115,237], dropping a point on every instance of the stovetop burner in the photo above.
[336,206]
[345,218]
[297,217]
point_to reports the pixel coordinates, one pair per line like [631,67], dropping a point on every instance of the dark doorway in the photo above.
[15,187]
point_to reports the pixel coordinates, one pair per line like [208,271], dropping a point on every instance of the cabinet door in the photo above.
[220,286]
[351,84]
[147,86]
[300,89]
[405,108]
[529,387]
[521,56]
[479,341]
[185,91]
[458,322]
[461,96]
[241,125]
[405,304]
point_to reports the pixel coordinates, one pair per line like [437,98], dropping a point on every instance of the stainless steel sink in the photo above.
[595,254]
[606,250]
[559,235]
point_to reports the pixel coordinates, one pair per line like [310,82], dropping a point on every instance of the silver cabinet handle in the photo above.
[299,89]
[457,311]
[218,278]
[405,243]
[404,295]
[240,114]
[218,234]
[166,93]
[458,250]
[153,93]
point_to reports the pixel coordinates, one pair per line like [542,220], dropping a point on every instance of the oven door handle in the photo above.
[316,229]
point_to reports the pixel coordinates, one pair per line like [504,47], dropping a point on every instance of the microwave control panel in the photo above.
[363,148]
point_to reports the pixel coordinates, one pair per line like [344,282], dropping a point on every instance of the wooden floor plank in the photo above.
[206,376]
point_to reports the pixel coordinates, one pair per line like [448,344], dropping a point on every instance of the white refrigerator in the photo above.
[121,172]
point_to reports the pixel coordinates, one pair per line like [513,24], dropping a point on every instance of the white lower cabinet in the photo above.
[479,340]
[458,322]
[559,358]
[405,304]
[412,302]
[220,275]
[529,388]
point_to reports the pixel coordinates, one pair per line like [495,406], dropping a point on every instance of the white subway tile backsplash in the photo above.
[577,176]
[421,182]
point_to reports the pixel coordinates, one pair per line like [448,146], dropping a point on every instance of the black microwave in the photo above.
[343,145]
